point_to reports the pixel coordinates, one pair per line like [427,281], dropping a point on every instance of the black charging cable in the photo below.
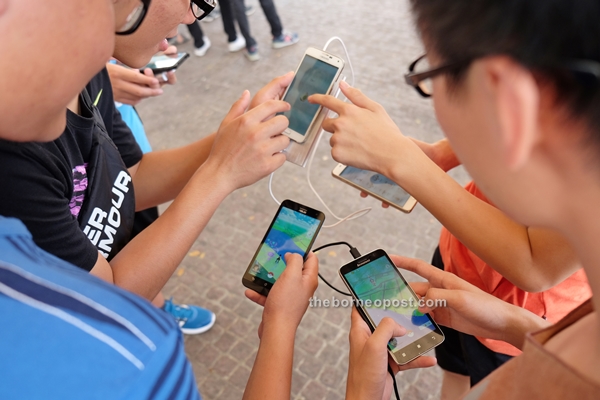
[356,254]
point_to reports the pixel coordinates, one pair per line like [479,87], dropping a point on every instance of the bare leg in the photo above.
[454,386]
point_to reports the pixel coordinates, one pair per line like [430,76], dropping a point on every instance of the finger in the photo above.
[293,265]
[143,79]
[359,330]
[385,205]
[238,108]
[273,127]
[419,267]
[357,97]
[273,90]
[421,362]
[363,194]
[140,92]
[311,270]
[170,50]
[436,298]
[330,102]
[329,124]
[267,110]
[255,297]
[277,144]
[420,288]
[387,329]
[171,78]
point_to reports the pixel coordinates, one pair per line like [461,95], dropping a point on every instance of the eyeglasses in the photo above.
[420,74]
[201,8]
[135,18]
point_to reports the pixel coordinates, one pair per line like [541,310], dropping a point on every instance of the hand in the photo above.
[469,309]
[291,293]
[364,135]
[166,78]
[368,376]
[248,145]
[130,86]
[273,90]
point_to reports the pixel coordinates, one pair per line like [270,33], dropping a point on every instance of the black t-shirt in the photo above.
[44,184]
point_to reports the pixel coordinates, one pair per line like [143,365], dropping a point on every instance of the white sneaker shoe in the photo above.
[201,51]
[238,44]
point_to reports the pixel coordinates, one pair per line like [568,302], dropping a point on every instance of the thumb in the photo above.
[238,108]
[357,97]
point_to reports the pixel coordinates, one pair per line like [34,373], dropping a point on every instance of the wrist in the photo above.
[222,182]
[283,329]
[521,323]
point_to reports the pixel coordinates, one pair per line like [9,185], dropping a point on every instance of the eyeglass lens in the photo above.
[133,18]
[426,85]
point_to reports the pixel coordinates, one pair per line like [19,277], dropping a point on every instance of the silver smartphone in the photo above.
[317,73]
[376,185]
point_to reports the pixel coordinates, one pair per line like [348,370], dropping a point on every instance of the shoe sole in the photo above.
[281,45]
[197,331]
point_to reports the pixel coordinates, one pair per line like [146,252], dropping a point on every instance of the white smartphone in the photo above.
[376,185]
[317,73]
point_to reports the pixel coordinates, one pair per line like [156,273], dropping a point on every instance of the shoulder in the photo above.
[103,335]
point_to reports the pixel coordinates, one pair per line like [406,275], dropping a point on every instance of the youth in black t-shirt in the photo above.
[46,185]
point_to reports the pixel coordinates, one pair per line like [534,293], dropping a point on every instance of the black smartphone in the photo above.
[293,230]
[165,63]
[380,291]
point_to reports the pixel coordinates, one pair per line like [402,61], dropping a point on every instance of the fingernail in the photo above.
[159,91]
[344,85]
[244,93]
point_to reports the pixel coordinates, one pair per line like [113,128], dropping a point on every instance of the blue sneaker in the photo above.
[285,39]
[252,53]
[191,319]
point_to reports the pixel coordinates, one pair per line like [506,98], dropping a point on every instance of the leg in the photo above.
[197,34]
[228,20]
[270,11]
[242,20]
[451,359]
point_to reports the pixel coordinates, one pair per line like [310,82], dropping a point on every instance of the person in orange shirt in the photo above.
[532,268]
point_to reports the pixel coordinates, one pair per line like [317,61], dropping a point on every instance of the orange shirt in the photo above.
[553,304]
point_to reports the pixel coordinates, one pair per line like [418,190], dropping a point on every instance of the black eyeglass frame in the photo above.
[204,5]
[414,78]
[580,67]
[141,18]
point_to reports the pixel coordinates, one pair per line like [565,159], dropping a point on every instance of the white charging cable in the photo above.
[356,214]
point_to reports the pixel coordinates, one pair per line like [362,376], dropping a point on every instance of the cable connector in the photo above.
[355,253]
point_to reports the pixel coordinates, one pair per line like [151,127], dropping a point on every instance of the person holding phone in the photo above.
[527,266]
[517,106]
[84,182]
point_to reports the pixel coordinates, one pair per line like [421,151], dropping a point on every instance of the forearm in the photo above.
[161,175]
[521,322]
[499,241]
[271,376]
[149,260]
[440,153]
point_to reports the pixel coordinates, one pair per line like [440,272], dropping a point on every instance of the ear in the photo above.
[516,95]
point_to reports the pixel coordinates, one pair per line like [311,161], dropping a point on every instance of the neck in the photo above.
[74,105]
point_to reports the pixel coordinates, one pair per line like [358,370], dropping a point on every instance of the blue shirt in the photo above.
[65,334]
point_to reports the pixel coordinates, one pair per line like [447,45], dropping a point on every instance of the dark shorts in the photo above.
[463,354]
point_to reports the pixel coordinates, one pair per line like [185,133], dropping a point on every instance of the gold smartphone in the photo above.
[376,185]
[317,73]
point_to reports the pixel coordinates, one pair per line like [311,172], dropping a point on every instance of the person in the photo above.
[281,37]
[129,88]
[84,186]
[65,333]
[234,42]
[527,266]
[518,108]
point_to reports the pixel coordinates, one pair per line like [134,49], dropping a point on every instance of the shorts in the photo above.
[463,354]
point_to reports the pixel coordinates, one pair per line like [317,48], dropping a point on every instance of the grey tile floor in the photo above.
[381,40]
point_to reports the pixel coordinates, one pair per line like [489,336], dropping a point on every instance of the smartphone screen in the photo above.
[313,76]
[377,184]
[384,293]
[293,230]
[164,62]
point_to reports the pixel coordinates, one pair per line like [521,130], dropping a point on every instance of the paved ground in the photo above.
[381,41]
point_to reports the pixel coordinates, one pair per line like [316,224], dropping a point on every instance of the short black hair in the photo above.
[543,35]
